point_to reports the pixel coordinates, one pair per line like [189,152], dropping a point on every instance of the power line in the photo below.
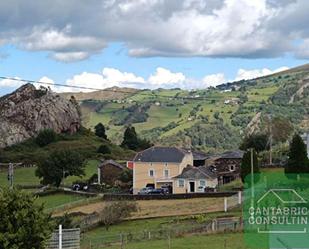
[140,92]
[106,90]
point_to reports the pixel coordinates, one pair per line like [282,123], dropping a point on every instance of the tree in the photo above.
[259,142]
[281,129]
[132,142]
[115,212]
[23,223]
[104,149]
[60,164]
[126,176]
[130,139]
[245,166]
[298,160]
[100,131]
[46,137]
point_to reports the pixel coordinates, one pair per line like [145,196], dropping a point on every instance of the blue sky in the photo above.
[150,43]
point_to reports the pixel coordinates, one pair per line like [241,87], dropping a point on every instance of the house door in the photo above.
[192,187]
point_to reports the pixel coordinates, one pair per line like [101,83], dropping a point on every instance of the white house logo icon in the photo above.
[276,215]
[297,199]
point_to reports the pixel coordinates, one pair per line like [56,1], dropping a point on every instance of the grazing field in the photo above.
[22,176]
[162,208]
[26,176]
[209,241]
[59,199]
[100,236]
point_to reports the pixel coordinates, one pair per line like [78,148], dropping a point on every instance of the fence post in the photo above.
[122,241]
[225,204]
[213,228]
[60,236]
[239,197]
[169,239]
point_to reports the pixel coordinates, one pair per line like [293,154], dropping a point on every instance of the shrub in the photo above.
[104,149]
[46,137]
[23,223]
[117,211]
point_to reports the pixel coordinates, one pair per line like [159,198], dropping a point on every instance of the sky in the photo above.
[152,44]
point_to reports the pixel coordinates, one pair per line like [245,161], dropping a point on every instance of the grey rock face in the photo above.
[27,111]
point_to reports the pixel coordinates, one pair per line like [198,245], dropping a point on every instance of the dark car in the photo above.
[157,191]
[167,189]
[80,187]
[145,191]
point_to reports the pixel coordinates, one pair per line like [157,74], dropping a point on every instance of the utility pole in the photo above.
[252,174]
[11,175]
[270,140]
[10,172]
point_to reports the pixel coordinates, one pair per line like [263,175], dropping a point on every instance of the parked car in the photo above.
[201,189]
[80,187]
[145,191]
[157,191]
[167,189]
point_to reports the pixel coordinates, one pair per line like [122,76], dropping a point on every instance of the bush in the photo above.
[104,149]
[23,223]
[115,212]
[46,137]
[100,131]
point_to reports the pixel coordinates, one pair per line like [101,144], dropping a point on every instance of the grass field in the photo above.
[137,227]
[219,241]
[153,208]
[22,176]
[55,200]
[26,176]
[209,241]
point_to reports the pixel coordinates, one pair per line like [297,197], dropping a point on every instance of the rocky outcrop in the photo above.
[27,111]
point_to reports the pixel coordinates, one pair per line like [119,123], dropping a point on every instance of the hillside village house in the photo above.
[109,171]
[159,166]
[226,165]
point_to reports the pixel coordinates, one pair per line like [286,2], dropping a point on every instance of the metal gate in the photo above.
[64,239]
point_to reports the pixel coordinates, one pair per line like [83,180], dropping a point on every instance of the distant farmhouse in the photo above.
[226,165]
[109,172]
[183,170]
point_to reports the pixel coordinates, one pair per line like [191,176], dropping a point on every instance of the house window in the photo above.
[165,164]
[232,168]
[202,183]
[166,173]
[151,173]
[181,183]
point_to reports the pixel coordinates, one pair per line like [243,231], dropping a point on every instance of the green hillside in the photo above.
[214,118]
[84,142]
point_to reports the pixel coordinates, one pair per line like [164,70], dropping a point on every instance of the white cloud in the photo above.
[165,78]
[215,28]
[110,77]
[70,56]
[64,46]
[161,78]
[244,74]
[11,83]
[213,79]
